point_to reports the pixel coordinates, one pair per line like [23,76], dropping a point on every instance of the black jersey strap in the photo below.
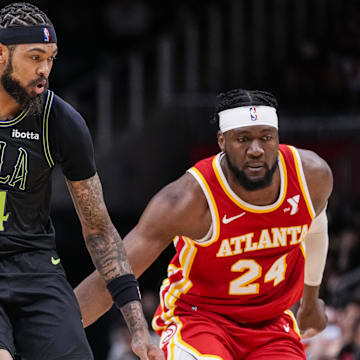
[45,132]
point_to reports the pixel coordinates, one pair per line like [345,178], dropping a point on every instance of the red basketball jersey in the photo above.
[251,266]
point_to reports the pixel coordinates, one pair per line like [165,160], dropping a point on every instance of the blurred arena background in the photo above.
[144,75]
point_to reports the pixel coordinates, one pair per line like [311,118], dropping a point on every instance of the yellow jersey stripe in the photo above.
[295,325]
[302,182]
[49,101]
[12,122]
[302,248]
[186,258]
[212,205]
[176,289]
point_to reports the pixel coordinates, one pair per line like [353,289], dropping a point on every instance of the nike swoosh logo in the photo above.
[54,261]
[227,220]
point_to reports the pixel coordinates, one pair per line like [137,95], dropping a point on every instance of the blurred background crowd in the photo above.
[144,74]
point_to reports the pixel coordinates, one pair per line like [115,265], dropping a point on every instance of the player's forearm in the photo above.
[111,262]
[102,240]
[106,248]
[93,297]
[134,316]
[310,296]
[108,254]
[317,243]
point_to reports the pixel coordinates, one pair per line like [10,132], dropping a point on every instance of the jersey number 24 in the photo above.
[246,285]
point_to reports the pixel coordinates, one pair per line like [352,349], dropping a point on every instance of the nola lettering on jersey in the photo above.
[268,239]
[25,135]
[19,175]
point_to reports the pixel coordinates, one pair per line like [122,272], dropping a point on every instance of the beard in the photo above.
[247,183]
[33,105]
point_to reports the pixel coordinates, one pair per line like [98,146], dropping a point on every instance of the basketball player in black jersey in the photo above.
[39,315]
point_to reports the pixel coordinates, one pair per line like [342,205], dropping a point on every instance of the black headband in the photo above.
[28,35]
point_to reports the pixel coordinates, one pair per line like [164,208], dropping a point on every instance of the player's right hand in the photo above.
[311,320]
[143,346]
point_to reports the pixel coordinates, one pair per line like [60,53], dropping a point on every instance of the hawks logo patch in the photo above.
[168,334]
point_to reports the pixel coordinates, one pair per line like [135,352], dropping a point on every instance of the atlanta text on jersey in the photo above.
[268,239]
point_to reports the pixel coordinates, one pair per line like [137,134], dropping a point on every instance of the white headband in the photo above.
[247,116]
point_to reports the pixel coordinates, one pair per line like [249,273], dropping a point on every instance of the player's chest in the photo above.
[22,157]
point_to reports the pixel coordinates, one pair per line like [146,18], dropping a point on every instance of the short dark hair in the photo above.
[22,14]
[241,97]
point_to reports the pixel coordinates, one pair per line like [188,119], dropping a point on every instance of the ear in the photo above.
[221,140]
[4,53]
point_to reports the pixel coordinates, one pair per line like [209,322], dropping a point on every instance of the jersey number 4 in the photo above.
[3,217]
[246,285]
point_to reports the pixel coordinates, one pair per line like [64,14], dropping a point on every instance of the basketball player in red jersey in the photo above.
[238,221]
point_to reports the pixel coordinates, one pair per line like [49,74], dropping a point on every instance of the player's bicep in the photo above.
[319,178]
[159,223]
[173,211]
[147,240]
[178,209]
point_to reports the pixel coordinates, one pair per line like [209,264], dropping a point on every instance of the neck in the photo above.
[261,197]
[8,105]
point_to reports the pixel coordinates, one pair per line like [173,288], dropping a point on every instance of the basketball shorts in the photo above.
[39,315]
[205,335]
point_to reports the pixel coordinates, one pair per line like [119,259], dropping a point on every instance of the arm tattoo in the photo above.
[134,316]
[104,244]
[102,240]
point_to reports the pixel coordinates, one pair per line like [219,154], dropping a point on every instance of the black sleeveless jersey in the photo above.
[30,148]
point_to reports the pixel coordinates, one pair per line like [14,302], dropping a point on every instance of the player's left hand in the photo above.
[311,319]
[144,348]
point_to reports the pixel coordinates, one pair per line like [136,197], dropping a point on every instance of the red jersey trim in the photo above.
[242,204]
[176,341]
